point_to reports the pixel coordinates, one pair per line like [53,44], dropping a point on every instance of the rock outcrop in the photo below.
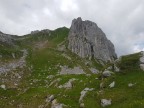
[45,31]
[87,40]
[21,63]
[6,39]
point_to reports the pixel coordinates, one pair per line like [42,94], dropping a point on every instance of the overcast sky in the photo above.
[121,20]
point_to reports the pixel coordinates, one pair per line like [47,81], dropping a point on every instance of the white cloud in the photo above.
[47,12]
[138,48]
[68,5]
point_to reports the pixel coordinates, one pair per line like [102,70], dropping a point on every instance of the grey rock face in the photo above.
[86,39]
[6,39]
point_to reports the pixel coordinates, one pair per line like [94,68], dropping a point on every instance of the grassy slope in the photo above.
[6,52]
[34,87]
[122,95]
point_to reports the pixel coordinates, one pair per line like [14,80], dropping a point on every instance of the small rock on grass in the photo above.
[82,105]
[50,98]
[3,86]
[112,84]
[55,104]
[131,84]
[107,73]
[105,102]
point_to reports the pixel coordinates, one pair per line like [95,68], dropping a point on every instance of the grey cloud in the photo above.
[121,20]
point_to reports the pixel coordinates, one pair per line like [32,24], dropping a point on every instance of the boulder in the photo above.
[116,69]
[106,73]
[3,86]
[55,104]
[68,85]
[50,98]
[87,40]
[142,66]
[83,93]
[82,105]
[105,102]
[109,68]
[94,71]
[112,84]
[102,85]
[131,84]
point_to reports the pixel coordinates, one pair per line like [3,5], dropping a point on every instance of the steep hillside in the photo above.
[41,72]
[55,37]
[42,62]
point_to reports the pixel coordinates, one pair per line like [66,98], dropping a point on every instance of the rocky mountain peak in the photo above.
[79,19]
[87,40]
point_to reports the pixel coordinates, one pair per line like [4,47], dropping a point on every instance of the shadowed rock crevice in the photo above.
[86,39]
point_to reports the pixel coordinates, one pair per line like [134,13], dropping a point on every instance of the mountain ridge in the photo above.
[41,72]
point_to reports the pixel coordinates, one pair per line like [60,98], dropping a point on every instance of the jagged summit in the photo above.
[86,39]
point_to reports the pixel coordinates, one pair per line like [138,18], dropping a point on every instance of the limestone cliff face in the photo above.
[86,39]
